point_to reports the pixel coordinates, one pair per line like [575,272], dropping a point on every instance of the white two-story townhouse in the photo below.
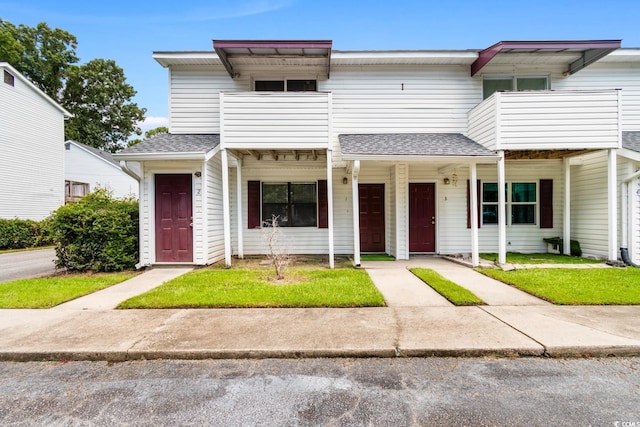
[398,152]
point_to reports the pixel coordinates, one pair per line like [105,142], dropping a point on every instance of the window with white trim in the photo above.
[491,84]
[521,202]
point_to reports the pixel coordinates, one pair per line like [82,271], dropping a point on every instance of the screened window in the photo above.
[513,83]
[290,85]
[294,203]
[521,200]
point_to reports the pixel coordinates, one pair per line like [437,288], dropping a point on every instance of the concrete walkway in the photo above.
[89,329]
[401,288]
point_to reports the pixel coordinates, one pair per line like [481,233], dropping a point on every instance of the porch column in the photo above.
[475,261]
[356,212]
[239,209]
[226,220]
[502,212]
[566,220]
[330,207]
[612,202]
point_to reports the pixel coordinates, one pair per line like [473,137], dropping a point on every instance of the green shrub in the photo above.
[18,233]
[98,233]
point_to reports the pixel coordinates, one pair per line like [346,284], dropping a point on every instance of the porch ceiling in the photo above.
[310,55]
[542,154]
[576,54]
[276,155]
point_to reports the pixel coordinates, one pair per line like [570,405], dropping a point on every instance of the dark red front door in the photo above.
[422,218]
[371,217]
[174,231]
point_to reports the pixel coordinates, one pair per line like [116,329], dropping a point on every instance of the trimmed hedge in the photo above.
[21,233]
[97,233]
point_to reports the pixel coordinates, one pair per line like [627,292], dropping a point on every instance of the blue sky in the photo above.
[129,31]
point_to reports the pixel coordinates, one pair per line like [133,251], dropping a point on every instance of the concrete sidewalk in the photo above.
[89,329]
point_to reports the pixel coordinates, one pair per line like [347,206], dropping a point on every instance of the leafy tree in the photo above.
[99,97]
[152,132]
[148,134]
[43,54]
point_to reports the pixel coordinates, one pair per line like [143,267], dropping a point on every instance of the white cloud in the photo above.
[152,123]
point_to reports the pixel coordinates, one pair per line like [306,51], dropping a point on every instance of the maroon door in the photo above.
[422,218]
[371,217]
[174,231]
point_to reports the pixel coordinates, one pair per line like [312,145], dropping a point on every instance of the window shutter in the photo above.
[253,204]
[323,204]
[469,204]
[546,203]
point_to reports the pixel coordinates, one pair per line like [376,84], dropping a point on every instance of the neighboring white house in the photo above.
[31,149]
[398,152]
[88,168]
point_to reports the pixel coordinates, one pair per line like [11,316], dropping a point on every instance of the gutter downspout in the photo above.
[624,187]
[125,168]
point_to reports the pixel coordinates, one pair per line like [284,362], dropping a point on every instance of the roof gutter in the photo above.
[125,168]
[421,158]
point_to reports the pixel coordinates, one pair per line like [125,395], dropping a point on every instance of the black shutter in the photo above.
[253,204]
[323,204]
[546,203]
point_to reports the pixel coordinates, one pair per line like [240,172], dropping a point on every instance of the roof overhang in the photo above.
[234,54]
[136,157]
[581,53]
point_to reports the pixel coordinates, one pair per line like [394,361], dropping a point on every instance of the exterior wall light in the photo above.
[345,180]
[446,181]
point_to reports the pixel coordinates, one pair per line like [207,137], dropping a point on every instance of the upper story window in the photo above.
[8,78]
[513,83]
[290,85]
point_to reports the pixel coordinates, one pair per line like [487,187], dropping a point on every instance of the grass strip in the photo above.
[252,288]
[453,292]
[597,286]
[376,257]
[47,292]
[541,258]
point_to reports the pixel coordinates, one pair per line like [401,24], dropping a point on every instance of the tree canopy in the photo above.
[96,92]
[148,134]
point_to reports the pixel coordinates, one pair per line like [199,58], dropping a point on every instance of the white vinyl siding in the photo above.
[624,76]
[275,120]
[401,99]
[83,166]
[194,98]
[31,153]
[400,174]
[589,215]
[213,203]
[482,123]
[549,120]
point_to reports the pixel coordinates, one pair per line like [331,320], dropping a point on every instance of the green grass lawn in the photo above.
[597,286]
[252,287]
[543,258]
[376,257]
[454,293]
[48,292]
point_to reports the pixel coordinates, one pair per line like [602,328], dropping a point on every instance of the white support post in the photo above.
[502,212]
[566,218]
[226,220]
[330,207]
[239,210]
[612,202]
[475,258]
[356,212]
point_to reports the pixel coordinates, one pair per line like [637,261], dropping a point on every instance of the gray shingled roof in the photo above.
[175,143]
[412,144]
[631,140]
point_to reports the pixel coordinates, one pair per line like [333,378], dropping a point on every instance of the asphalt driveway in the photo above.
[27,264]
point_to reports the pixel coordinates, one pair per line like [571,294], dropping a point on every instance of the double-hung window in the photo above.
[294,203]
[493,84]
[521,200]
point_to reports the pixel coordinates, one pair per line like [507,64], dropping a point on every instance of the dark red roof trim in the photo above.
[592,50]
